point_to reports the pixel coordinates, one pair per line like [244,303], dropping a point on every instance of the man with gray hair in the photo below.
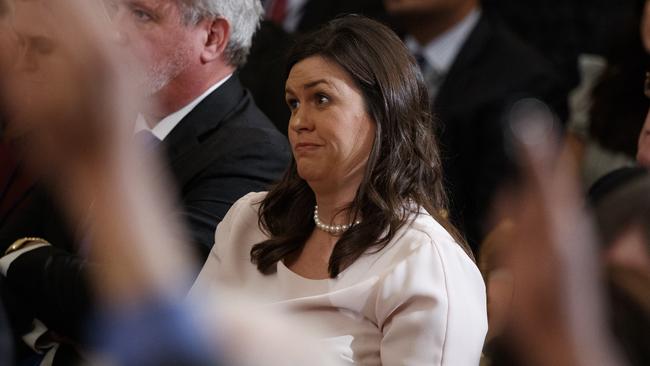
[217,144]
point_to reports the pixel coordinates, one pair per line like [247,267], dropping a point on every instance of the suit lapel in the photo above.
[461,71]
[187,138]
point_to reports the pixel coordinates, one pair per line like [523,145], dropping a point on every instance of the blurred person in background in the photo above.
[354,240]
[475,68]
[605,136]
[114,185]
[623,217]
[216,143]
[632,136]
[6,342]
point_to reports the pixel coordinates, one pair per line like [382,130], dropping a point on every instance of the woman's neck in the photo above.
[332,206]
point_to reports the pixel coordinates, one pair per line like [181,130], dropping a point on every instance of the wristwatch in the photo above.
[24,243]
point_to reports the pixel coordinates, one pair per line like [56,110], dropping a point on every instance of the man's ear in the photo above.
[218,35]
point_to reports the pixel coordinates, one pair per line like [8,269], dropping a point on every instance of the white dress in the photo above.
[419,301]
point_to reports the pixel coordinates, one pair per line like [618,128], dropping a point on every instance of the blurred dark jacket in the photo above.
[493,70]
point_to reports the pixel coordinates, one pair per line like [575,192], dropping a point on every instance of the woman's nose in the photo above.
[300,121]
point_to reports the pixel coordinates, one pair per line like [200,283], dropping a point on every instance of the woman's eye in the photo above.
[322,99]
[141,15]
[293,104]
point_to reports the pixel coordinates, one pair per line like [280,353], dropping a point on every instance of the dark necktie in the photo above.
[432,77]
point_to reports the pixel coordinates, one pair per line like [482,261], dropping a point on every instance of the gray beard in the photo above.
[161,73]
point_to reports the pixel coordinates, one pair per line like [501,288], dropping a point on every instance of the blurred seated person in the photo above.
[216,144]
[605,129]
[143,319]
[622,176]
[353,239]
[475,69]
[623,217]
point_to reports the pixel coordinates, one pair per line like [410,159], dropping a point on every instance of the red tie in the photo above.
[278,11]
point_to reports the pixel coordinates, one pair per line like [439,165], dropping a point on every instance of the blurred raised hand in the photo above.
[557,315]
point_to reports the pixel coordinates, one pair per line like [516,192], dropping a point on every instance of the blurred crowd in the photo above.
[306,182]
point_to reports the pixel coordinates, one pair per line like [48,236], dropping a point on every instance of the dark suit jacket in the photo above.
[492,70]
[224,148]
[265,72]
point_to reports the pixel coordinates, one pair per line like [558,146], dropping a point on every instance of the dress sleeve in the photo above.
[213,271]
[412,308]
[431,304]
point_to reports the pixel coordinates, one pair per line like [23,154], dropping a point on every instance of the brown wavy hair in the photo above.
[403,172]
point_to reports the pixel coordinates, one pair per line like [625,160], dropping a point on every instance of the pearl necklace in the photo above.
[332,229]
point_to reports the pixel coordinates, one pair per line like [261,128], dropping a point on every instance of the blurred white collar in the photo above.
[441,52]
[167,124]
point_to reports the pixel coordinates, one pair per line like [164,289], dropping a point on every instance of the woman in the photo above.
[353,239]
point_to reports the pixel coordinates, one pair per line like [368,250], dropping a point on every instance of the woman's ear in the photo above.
[218,35]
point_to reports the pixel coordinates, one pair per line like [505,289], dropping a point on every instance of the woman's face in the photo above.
[35,73]
[330,131]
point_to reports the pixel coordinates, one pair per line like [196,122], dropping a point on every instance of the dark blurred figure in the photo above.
[564,29]
[476,69]
[306,15]
[264,73]
[216,143]
[619,105]
[623,217]
[610,107]
[552,26]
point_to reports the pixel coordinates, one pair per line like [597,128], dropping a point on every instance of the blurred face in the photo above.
[630,250]
[330,131]
[643,150]
[8,41]
[34,70]
[645,27]
[154,31]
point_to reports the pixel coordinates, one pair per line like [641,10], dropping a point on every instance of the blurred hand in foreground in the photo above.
[557,312]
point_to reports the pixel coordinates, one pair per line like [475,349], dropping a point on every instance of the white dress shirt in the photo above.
[419,301]
[167,124]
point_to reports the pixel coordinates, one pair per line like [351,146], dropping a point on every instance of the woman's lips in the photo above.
[304,147]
